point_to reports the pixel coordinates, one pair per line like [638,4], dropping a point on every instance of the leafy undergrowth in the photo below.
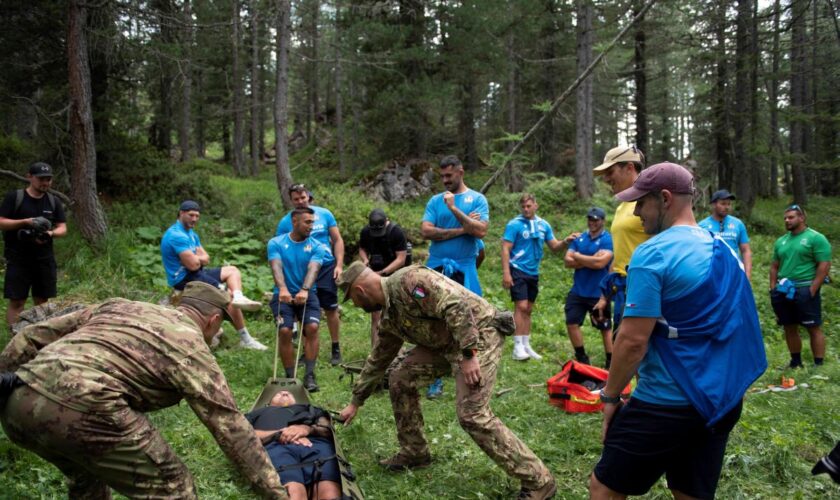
[770,452]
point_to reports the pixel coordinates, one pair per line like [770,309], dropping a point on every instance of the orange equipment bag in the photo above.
[576,388]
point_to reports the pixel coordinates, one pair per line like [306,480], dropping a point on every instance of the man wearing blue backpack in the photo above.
[696,346]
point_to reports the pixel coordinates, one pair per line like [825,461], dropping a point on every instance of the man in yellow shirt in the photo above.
[620,169]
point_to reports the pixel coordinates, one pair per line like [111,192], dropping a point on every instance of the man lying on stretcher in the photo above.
[298,438]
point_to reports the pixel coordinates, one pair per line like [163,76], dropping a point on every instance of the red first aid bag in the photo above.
[575,388]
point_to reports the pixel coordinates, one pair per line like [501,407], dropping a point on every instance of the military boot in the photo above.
[546,491]
[401,462]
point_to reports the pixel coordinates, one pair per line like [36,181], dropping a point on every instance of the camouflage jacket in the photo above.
[425,308]
[123,354]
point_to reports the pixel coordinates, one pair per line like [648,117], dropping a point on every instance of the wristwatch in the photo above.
[305,288]
[608,400]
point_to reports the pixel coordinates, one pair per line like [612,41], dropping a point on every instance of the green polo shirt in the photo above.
[799,254]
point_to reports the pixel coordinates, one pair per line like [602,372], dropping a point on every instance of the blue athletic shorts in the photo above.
[284,455]
[287,314]
[326,288]
[645,440]
[525,286]
[802,309]
[209,275]
[577,307]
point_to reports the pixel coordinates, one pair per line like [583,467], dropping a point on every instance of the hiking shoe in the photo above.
[309,383]
[519,353]
[249,342]
[435,389]
[546,491]
[246,304]
[583,359]
[335,360]
[402,462]
[795,364]
[532,353]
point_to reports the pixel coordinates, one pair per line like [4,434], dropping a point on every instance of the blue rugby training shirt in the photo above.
[177,239]
[731,229]
[586,281]
[324,220]
[295,256]
[528,237]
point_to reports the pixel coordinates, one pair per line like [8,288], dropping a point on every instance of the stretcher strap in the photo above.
[301,337]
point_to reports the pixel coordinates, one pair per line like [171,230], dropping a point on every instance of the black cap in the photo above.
[377,220]
[722,195]
[596,213]
[189,205]
[40,169]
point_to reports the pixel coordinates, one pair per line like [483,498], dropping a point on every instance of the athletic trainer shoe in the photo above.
[249,342]
[519,353]
[246,304]
[335,360]
[401,462]
[531,352]
[546,491]
[309,383]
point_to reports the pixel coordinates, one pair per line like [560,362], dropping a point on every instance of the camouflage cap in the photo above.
[209,294]
[345,281]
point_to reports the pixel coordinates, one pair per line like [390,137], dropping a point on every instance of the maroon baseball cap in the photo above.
[670,176]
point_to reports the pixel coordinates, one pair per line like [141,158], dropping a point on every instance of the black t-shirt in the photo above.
[30,207]
[273,418]
[383,250]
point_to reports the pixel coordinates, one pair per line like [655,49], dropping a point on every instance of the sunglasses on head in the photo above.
[796,208]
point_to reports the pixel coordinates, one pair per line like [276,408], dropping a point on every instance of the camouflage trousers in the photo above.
[422,365]
[120,450]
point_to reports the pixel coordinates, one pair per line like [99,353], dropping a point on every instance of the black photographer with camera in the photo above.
[384,248]
[30,218]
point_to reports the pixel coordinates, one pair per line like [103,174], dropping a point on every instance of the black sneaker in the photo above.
[583,359]
[335,360]
[309,383]
[795,364]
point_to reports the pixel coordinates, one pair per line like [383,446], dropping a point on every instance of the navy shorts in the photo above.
[209,275]
[326,288]
[525,286]
[577,307]
[802,309]
[287,314]
[39,275]
[457,276]
[291,455]
[646,440]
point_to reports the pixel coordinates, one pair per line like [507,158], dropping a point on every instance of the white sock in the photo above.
[526,340]
[518,340]
[244,332]
[237,294]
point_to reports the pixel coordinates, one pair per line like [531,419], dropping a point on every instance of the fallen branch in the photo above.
[58,194]
[565,95]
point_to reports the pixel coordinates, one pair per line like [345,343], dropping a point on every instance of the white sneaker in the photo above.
[250,342]
[532,353]
[246,304]
[519,353]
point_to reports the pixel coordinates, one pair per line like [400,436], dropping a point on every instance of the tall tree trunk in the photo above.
[548,86]
[163,117]
[412,19]
[255,88]
[584,123]
[281,101]
[88,211]
[238,96]
[312,16]
[357,122]
[186,82]
[775,146]
[640,79]
[798,99]
[201,120]
[339,111]
[721,109]
[512,85]
[743,164]
[466,124]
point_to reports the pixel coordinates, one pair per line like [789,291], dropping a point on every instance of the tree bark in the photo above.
[186,82]
[312,15]
[721,110]
[238,96]
[547,148]
[775,146]
[466,123]
[162,137]
[255,88]
[339,105]
[798,99]
[87,210]
[281,101]
[585,125]
[201,120]
[640,80]
[743,164]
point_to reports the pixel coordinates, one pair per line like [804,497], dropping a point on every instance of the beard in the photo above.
[372,308]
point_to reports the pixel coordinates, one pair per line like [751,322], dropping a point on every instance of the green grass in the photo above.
[770,452]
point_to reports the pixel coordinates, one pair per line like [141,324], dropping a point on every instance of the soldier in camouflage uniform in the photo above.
[87,377]
[453,330]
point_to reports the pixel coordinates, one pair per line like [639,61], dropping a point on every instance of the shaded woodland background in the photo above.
[744,92]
